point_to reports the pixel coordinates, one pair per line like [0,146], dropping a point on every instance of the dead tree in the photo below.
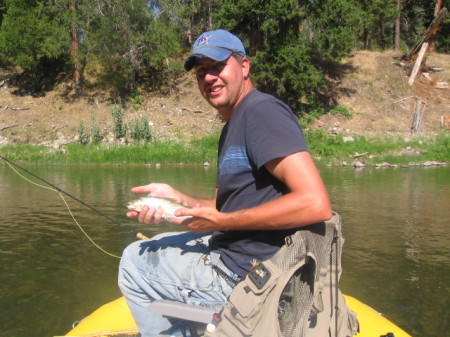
[419,51]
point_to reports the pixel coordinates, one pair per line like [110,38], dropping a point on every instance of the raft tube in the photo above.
[114,319]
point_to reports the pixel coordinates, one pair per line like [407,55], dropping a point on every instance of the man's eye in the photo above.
[200,71]
[220,65]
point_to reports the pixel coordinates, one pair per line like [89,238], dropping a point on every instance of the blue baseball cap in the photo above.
[217,45]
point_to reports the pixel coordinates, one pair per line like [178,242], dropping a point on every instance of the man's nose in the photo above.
[211,75]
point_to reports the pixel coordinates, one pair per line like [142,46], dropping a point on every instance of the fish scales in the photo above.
[166,206]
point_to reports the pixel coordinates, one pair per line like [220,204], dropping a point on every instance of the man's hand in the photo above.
[204,219]
[149,215]
[159,190]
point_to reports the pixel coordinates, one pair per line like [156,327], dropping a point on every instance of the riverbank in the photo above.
[326,149]
[372,123]
[368,89]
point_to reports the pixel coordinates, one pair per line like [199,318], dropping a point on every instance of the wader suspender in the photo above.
[336,277]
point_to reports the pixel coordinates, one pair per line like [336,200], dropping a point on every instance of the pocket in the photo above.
[244,308]
[347,321]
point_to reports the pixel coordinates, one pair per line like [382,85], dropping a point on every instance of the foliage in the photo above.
[378,21]
[96,134]
[377,149]
[439,148]
[192,17]
[281,56]
[126,37]
[417,17]
[289,74]
[330,149]
[443,40]
[82,137]
[30,31]
[341,110]
[119,128]
[140,130]
[143,42]
[334,26]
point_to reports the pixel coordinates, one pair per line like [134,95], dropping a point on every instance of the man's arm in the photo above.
[307,202]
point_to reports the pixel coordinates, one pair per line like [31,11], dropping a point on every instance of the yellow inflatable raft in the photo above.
[114,318]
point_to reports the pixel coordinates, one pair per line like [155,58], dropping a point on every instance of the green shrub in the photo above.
[82,137]
[96,134]
[140,130]
[341,110]
[119,128]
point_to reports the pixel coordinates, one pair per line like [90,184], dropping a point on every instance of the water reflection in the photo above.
[395,256]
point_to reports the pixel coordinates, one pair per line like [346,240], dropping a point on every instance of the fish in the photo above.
[166,206]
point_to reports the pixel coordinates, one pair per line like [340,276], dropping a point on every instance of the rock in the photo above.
[347,139]
[359,163]
[385,164]
[3,141]
[319,123]
[434,163]
[411,153]
[357,154]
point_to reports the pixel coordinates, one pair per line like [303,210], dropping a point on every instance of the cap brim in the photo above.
[215,53]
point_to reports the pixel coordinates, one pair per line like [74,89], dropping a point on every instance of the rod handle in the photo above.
[141,236]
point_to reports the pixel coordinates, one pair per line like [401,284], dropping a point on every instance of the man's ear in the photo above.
[245,67]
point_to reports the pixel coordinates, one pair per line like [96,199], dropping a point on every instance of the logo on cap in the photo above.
[203,39]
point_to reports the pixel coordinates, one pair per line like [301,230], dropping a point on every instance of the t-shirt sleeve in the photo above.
[272,131]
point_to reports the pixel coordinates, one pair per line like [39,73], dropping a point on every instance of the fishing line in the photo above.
[83,231]
[60,192]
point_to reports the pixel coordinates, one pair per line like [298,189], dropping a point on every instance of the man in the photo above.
[267,186]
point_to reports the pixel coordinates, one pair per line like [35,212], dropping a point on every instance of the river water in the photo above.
[395,259]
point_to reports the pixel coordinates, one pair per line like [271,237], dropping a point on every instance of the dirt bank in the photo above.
[373,87]
[381,102]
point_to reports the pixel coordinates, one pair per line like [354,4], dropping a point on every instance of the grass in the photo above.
[326,148]
[333,149]
[193,152]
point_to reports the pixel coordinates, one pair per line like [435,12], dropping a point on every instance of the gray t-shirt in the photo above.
[262,128]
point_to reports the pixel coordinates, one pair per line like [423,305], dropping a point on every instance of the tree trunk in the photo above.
[74,48]
[416,68]
[381,28]
[189,32]
[437,9]
[366,38]
[398,26]
[210,10]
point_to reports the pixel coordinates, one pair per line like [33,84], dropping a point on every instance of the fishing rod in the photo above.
[59,190]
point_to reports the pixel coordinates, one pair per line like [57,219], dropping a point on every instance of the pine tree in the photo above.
[31,30]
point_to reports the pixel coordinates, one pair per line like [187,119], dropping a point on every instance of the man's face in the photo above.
[222,83]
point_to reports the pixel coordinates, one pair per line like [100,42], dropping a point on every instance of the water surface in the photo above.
[395,259]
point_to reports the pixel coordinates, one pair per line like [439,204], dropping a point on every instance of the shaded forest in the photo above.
[127,46]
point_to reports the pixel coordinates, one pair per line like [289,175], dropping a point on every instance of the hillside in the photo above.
[375,88]
[372,85]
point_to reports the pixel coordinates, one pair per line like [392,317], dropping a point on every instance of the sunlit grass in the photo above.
[192,152]
[333,149]
[326,148]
